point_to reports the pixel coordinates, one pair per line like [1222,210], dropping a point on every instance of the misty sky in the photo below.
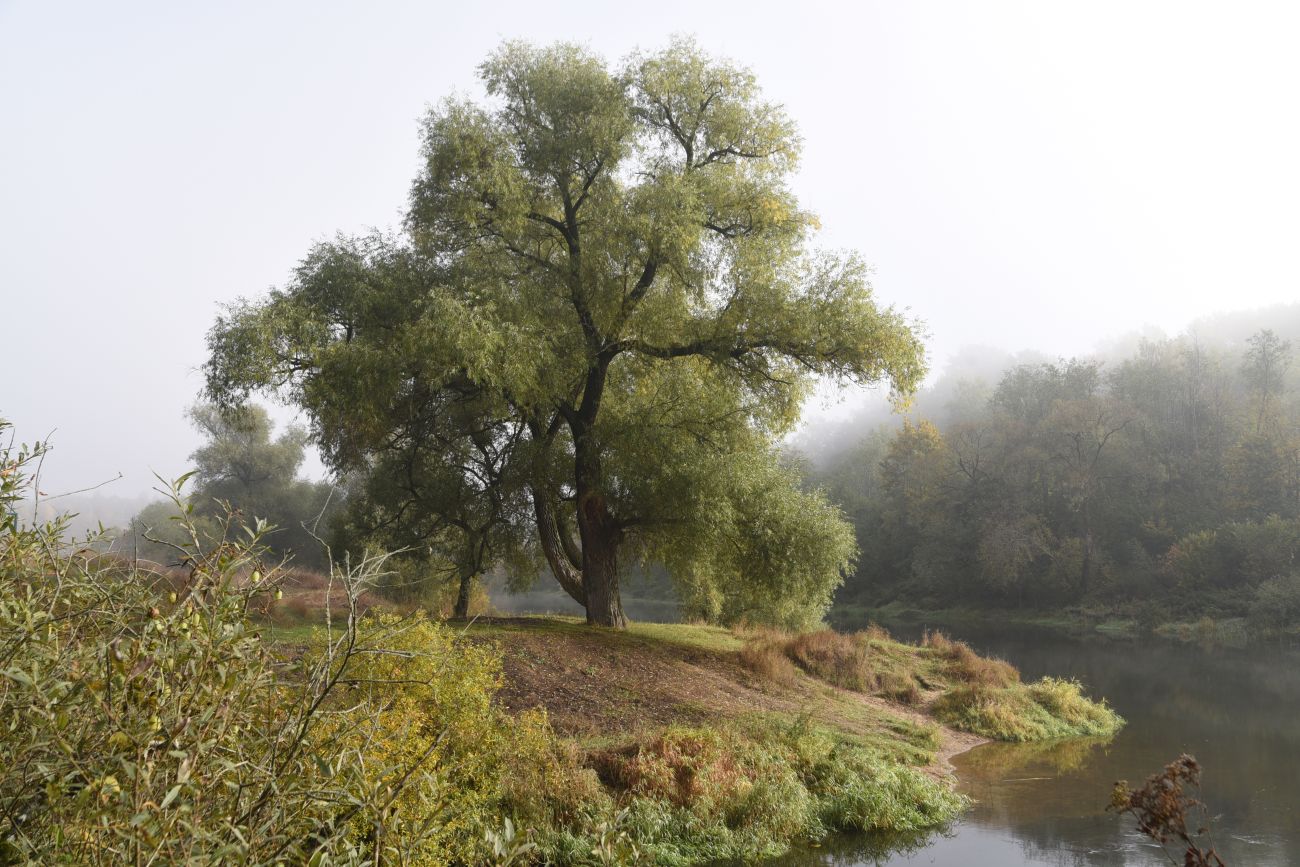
[1023,175]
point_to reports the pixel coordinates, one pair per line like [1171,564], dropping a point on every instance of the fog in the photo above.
[963,384]
[1030,180]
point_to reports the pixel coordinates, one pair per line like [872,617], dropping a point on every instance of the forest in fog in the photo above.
[1161,478]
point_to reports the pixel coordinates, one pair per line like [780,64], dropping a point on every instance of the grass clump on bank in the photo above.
[848,660]
[746,791]
[1047,709]
[988,699]
[947,678]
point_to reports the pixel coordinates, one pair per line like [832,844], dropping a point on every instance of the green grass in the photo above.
[747,790]
[293,633]
[713,638]
[1047,709]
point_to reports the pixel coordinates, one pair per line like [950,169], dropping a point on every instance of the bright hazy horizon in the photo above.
[1023,176]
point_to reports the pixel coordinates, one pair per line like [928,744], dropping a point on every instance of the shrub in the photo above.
[427,701]
[156,725]
[1163,806]
[549,784]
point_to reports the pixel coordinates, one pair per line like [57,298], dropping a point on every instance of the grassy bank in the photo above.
[679,744]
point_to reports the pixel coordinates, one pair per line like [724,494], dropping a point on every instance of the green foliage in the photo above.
[161,531]
[1277,602]
[760,550]
[1237,554]
[147,721]
[427,696]
[603,313]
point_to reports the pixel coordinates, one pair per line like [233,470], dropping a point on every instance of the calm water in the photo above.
[1236,710]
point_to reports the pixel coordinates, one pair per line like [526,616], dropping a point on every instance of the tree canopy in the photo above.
[609,267]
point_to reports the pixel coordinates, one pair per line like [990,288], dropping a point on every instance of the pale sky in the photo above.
[1037,175]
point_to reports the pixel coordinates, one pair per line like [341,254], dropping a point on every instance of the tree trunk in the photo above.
[600,540]
[600,535]
[1085,580]
[566,572]
[461,611]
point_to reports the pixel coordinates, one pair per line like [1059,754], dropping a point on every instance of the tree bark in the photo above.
[600,541]
[566,572]
[461,611]
[601,535]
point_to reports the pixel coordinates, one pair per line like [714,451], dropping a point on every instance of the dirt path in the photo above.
[951,741]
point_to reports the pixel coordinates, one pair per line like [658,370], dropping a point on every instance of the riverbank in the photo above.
[1228,631]
[743,742]
[1072,621]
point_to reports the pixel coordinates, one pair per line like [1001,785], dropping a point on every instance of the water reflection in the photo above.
[1236,709]
[849,850]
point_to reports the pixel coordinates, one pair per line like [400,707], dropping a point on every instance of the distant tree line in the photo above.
[1169,478]
[241,469]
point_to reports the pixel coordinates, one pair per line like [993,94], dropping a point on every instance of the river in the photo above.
[1236,709]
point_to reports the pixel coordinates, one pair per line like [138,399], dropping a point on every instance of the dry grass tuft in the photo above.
[769,661]
[681,766]
[901,688]
[966,666]
[833,657]
[876,632]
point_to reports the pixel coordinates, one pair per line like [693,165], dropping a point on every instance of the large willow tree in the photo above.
[610,267]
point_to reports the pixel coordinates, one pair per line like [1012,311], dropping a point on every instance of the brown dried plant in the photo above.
[1162,807]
